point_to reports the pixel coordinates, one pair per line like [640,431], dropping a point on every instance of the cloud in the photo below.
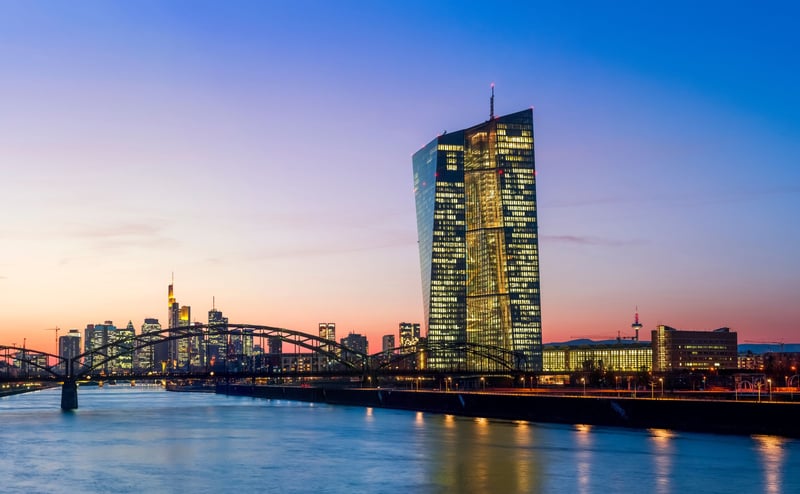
[287,253]
[677,200]
[587,240]
[124,235]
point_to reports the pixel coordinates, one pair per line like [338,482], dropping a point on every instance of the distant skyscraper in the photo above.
[181,351]
[327,331]
[217,347]
[145,357]
[476,218]
[69,346]
[356,342]
[388,343]
[409,336]
[123,348]
[275,345]
[97,339]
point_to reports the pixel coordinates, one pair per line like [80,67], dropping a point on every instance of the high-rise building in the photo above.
[69,347]
[355,342]
[146,356]
[275,345]
[476,219]
[327,331]
[217,346]
[388,343]
[409,336]
[98,339]
[122,349]
[182,352]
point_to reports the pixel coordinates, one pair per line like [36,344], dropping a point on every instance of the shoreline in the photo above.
[687,415]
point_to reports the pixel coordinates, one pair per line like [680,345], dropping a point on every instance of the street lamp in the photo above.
[448,384]
[661,380]
[583,380]
[483,383]
[769,384]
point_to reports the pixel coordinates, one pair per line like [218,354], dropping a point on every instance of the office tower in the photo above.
[388,343]
[180,351]
[217,346]
[327,331]
[186,347]
[173,318]
[145,356]
[355,342]
[475,193]
[69,347]
[98,338]
[122,349]
[409,336]
[681,350]
[275,345]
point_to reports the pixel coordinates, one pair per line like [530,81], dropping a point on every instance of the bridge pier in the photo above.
[69,395]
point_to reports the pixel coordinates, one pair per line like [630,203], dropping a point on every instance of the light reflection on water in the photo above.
[147,440]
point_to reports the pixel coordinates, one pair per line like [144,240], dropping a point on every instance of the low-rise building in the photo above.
[675,349]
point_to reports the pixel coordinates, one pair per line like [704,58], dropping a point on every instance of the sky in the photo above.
[260,152]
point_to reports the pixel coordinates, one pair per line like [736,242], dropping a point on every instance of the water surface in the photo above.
[141,439]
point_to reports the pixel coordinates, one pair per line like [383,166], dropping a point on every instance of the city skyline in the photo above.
[260,152]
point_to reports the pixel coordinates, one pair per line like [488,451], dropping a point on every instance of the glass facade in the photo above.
[629,357]
[476,217]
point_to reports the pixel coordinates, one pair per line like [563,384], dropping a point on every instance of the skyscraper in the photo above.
[122,350]
[327,331]
[69,347]
[146,358]
[217,346]
[409,336]
[475,193]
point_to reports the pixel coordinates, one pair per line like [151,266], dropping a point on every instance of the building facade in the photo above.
[146,356]
[626,357]
[409,336]
[217,341]
[387,345]
[357,343]
[327,331]
[675,349]
[475,193]
[69,347]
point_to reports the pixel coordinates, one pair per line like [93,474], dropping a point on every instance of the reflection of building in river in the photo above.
[475,455]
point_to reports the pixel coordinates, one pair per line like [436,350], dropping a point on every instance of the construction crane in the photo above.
[779,343]
[56,329]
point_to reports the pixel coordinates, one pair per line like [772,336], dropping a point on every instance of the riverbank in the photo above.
[15,389]
[712,416]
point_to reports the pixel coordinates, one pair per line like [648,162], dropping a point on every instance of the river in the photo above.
[141,439]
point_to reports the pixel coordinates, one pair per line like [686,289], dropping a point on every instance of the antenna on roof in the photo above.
[491,104]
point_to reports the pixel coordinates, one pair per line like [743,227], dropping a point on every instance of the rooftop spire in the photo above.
[491,104]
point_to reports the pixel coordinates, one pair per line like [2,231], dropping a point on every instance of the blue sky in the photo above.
[261,151]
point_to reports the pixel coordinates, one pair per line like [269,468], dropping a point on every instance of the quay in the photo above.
[690,415]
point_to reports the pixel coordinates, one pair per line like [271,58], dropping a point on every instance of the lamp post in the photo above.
[583,380]
[661,380]
[769,384]
[483,383]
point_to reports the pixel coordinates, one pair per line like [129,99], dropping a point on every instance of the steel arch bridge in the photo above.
[198,342]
